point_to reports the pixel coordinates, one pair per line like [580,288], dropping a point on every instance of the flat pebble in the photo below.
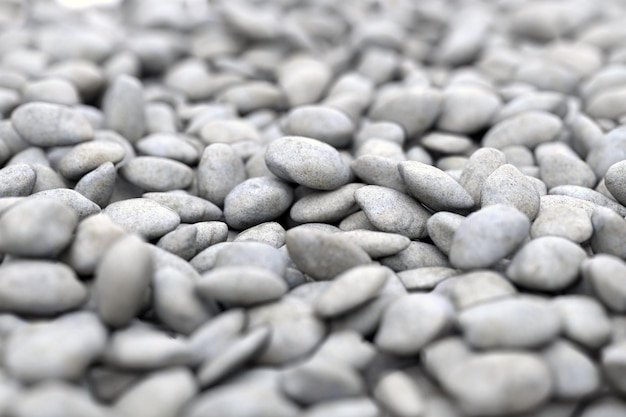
[143,216]
[123,107]
[228,132]
[416,255]
[590,195]
[560,165]
[529,129]
[399,394]
[122,279]
[479,167]
[322,123]
[513,322]
[303,79]
[434,188]
[614,181]
[168,145]
[190,208]
[353,407]
[605,407]
[255,201]
[392,211]
[390,131]
[487,236]
[271,233]
[378,170]
[507,185]
[37,228]
[376,244]
[46,124]
[609,232]
[153,173]
[571,223]
[219,171]
[17,180]
[603,272]
[585,321]
[348,347]
[79,204]
[180,242]
[326,206]
[308,162]
[241,285]
[573,373]
[546,264]
[411,322]
[479,287]
[88,156]
[441,227]
[613,360]
[99,184]
[53,288]
[467,109]
[425,278]
[548,101]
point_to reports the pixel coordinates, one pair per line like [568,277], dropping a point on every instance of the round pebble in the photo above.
[507,185]
[86,157]
[529,129]
[17,180]
[322,123]
[143,216]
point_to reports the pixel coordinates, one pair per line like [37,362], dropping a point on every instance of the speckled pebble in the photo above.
[17,180]
[190,208]
[86,157]
[144,216]
[153,173]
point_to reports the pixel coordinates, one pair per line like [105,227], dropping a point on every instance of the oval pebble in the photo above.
[585,321]
[378,170]
[123,107]
[322,123]
[180,242]
[467,109]
[479,167]
[416,255]
[614,181]
[609,150]
[169,146]
[564,360]
[79,204]
[351,407]
[529,129]
[303,79]
[609,232]
[271,233]
[603,272]
[325,206]
[399,394]
[17,180]
[441,227]
[590,195]
[241,285]
[153,173]
[425,278]
[143,216]
[376,244]
[219,171]
[571,223]
[190,208]
[560,165]
[479,287]
[507,185]
[86,157]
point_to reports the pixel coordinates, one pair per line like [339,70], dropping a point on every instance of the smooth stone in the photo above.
[271,233]
[181,242]
[416,255]
[160,394]
[323,256]
[79,204]
[397,392]
[253,254]
[609,150]
[571,223]
[513,322]
[308,162]
[219,171]
[322,123]
[228,131]
[123,107]
[356,221]
[215,335]
[548,101]
[254,96]
[376,244]
[585,321]
[303,79]
[614,181]
[447,143]
[365,320]
[352,407]
[255,201]
[590,195]
[383,148]
[98,185]
[529,129]
[586,134]
[153,173]
[378,170]
[560,165]
[574,375]
[352,288]
[479,167]
[613,361]
[392,211]
[605,407]
[609,232]
[205,259]
[413,321]
[170,146]
[434,188]
[482,383]
[122,279]
[507,185]
[86,157]
[241,285]
[443,355]
[467,109]
[607,104]
[348,347]
[37,227]
[546,264]
[479,287]
[210,233]
[78,340]
[519,155]
[46,124]
[390,131]
[17,180]
[487,236]
[425,278]
[441,227]
[190,208]
[143,216]
[321,379]
[325,206]
[604,273]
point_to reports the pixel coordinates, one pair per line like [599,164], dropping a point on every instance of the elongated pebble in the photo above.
[190,208]
[153,173]
[123,107]
[399,394]
[378,170]
[603,272]
[143,216]
[416,255]
[614,181]
[478,287]
[350,407]
[529,129]
[585,320]
[169,146]
[326,206]
[219,171]
[181,242]
[271,233]
[79,204]
[560,165]
[609,150]
[441,227]
[377,244]
[303,79]
[425,278]
[590,195]
[322,123]
[608,232]
[467,109]
[86,157]
[613,363]
[572,223]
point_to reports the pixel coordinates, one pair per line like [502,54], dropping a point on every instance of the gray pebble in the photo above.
[86,157]
[566,360]
[123,106]
[425,278]
[53,288]
[434,188]
[365,320]
[241,285]
[219,171]
[168,145]
[303,79]
[397,392]
[78,339]
[205,259]
[356,221]
[51,90]
[571,223]
[513,322]
[325,206]
[160,394]
[614,181]
[352,407]
[17,180]
[392,211]
[228,131]
[559,165]
[381,147]
[546,264]
[416,255]
[37,227]
[308,162]
[412,321]
[98,185]
[390,131]
[609,232]
[79,204]
[323,256]
[443,355]
[441,227]
[467,109]
[122,279]
[585,321]
[210,233]
[271,233]
[253,254]
[255,201]
[479,287]
[519,155]
[607,104]
[351,289]
[479,167]
[585,134]
[252,96]
[378,170]
[447,143]
[529,129]
[190,208]
[180,242]
[613,364]
[215,335]
[548,101]
[487,236]
[604,273]
[590,195]
[609,150]
[507,185]
[348,347]
[153,173]
[45,124]
[376,244]
[143,216]
[322,123]
[605,407]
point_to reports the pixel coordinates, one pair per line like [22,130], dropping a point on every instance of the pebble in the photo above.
[416,255]
[571,223]
[479,287]
[548,101]
[614,181]
[86,157]
[78,338]
[51,90]
[348,347]
[507,185]
[399,394]
[17,180]
[425,278]
[169,391]
[122,278]
[37,227]
[303,79]
[467,109]
[609,150]
[441,227]
[308,162]
[351,289]
[322,123]
[392,211]
[590,195]
[603,272]
[98,185]
[585,321]
[482,384]
[512,322]
[560,165]
[143,216]
[390,131]
[605,407]
[180,242]
[326,206]
[255,201]
[481,164]
[356,221]
[190,208]
[228,132]
[376,244]
[168,145]
[353,407]
[52,288]
[442,356]
[487,236]
[46,124]
[546,264]
[530,128]
[79,204]
[241,285]
[253,96]
[271,233]
[321,379]
[609,232]
[153,173]
[365,320]
[434,188]
[613,362]
[574,375]
[219,171]
[413,321]
[378,170]
[447,144]
[123,107]
[323,256]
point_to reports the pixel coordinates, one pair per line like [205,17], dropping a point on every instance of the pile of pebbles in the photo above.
[313,208]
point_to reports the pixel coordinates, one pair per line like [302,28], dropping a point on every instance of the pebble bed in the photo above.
[313,208]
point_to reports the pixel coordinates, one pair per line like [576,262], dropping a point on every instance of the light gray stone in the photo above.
[219,171]
[604,273]
[573,373]
[614,181]
[585,321]
[190,208]
[609,232]
[98,185]
[143,216]
[79,204]
[348,347]
[271,233]
[589,195]
[560,165]
[376,244]
[606,152]
[416,255]
[478,168]
[399,394]
[479,287]
[378,170]
[529,129]
[322,123]
[88,156]
[123,106]
[181,242]
[153,173]
[326,206]
[441,227]
[425,278]
[507,185]
[352,407]
[571,223]
[613,360]
[303,79]
[467,109]
[17,180]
